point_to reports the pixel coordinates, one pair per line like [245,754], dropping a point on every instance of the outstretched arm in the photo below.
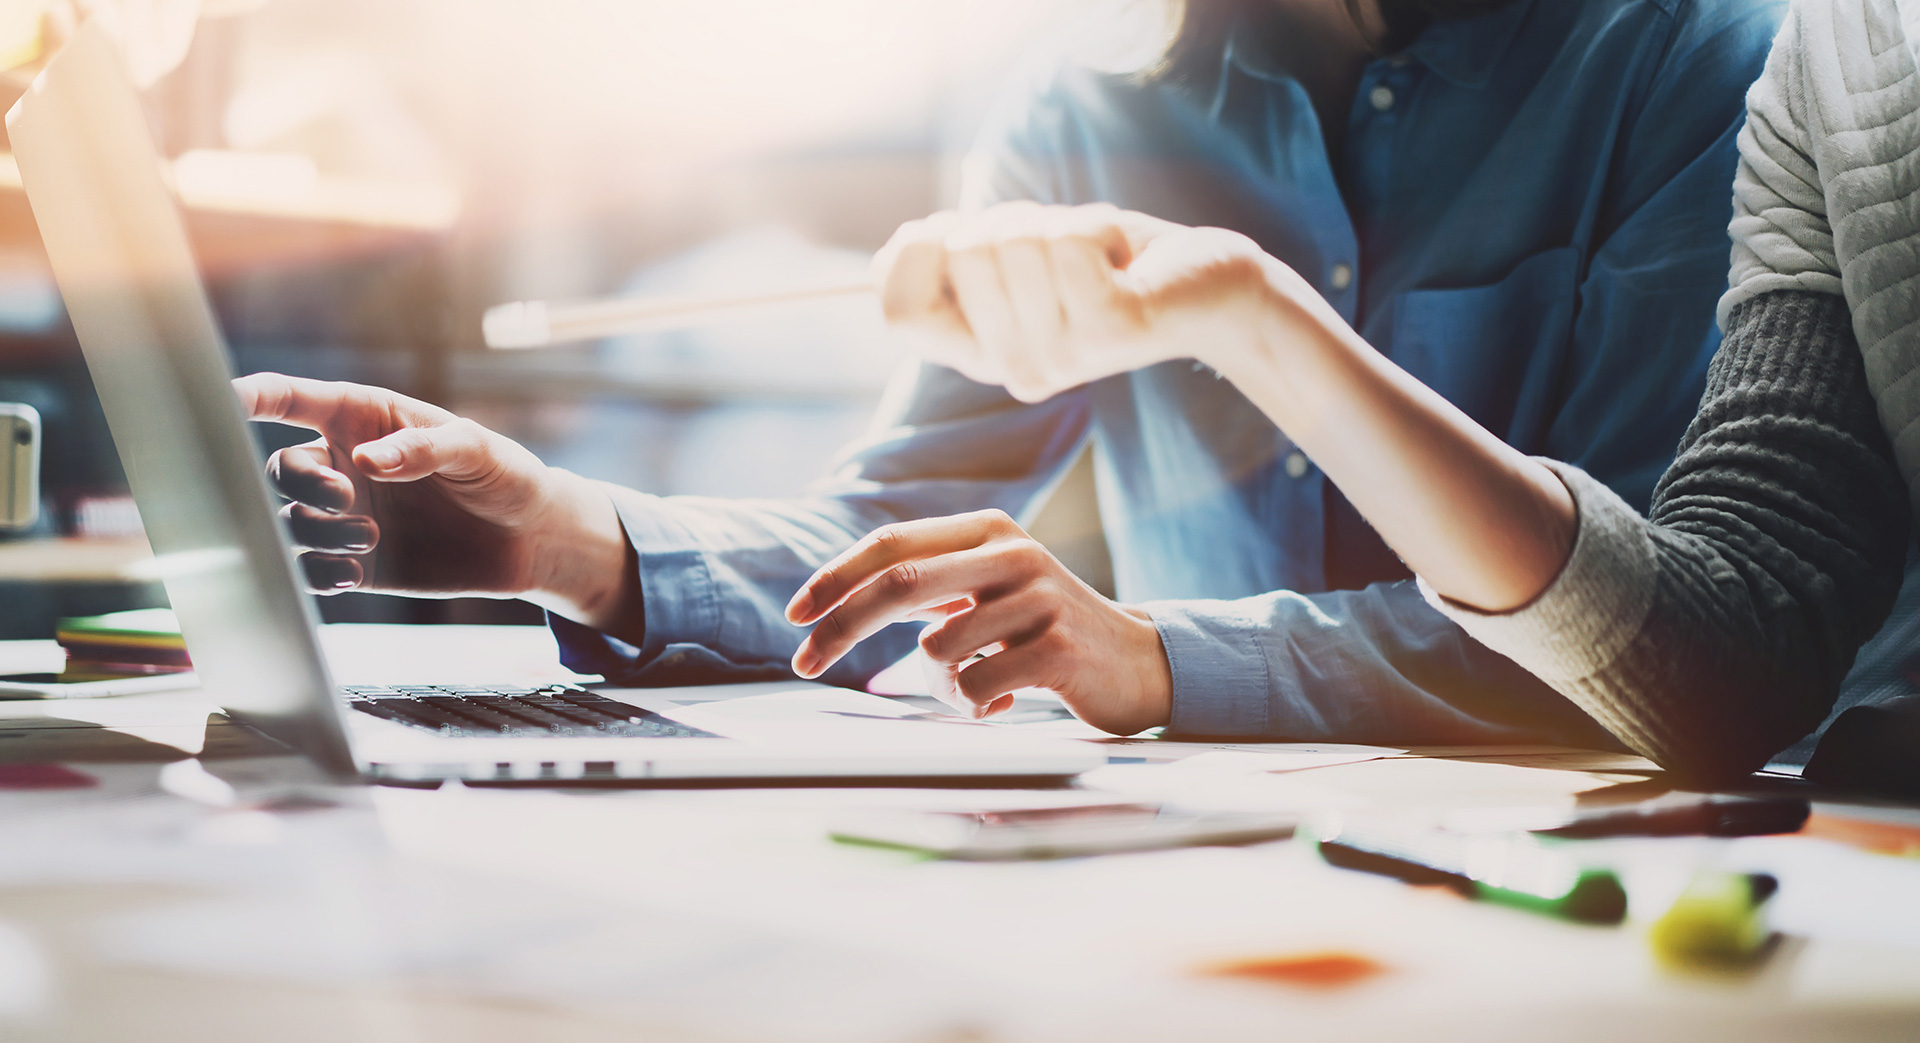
[1042,299]
[401,496]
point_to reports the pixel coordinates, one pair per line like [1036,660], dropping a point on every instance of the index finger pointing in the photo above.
[290,400]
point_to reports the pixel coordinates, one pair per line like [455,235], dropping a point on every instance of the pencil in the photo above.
[534,324]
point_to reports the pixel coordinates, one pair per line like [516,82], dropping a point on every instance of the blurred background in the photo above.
[362,178]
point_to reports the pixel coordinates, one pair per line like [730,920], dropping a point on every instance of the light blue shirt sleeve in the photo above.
[1377,665]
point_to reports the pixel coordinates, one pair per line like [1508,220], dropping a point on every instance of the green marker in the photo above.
[1513,869]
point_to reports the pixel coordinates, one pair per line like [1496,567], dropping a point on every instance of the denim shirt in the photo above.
[1528,214]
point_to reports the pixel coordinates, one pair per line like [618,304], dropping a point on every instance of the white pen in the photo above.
[534,324]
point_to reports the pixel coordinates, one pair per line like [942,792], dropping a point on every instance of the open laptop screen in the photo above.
[120,256]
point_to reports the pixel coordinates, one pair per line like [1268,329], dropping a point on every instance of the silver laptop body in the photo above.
[120,255]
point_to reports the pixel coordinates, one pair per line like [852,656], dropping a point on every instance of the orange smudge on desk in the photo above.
[1885,838]
[1317,970]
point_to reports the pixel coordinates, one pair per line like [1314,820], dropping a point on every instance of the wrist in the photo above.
[581,559]
[1154,676]
[1270,305]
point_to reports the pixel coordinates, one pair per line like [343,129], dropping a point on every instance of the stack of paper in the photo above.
[122,644]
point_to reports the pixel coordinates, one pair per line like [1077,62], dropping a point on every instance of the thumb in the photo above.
[459,449]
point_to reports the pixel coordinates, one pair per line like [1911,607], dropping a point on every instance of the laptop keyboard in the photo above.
[553,710]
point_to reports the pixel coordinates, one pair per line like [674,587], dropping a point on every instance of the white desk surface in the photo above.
[130,912]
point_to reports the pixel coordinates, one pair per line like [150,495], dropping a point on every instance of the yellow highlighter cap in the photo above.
[1718,923]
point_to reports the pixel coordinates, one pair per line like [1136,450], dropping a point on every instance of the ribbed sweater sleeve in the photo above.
[1716,633]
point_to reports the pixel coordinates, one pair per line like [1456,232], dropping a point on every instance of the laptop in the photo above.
[120,255]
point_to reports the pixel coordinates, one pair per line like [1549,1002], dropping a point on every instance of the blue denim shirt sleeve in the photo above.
[716,574]
[1353,666]
[1379,665]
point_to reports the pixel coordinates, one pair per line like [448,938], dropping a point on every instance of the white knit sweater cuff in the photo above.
[1751,284]
[1590,612]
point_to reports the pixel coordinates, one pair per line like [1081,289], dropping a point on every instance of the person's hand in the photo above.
[994,590]
[1041,299]
[398,495]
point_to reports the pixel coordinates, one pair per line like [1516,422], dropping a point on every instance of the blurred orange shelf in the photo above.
[337,217]
[73,560]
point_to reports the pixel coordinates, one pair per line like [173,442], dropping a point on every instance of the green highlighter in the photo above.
[1514,869]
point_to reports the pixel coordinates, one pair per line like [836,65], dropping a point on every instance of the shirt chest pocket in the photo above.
[1494,350]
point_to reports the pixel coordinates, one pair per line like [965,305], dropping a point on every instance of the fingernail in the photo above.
[798,608]
[359,537]
[342,584]
[806,662]
[384,457]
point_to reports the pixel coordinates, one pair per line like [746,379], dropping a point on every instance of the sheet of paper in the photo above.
[1218,790]
[1156,751]
[1272,760]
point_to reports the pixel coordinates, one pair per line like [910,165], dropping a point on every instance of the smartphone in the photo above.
[19,466]
[1060,832]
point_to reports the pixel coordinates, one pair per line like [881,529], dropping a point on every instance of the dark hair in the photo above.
[1202,26]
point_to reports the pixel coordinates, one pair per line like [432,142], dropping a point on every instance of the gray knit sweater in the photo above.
[1716,632]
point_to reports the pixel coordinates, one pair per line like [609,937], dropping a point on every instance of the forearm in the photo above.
[1485,525]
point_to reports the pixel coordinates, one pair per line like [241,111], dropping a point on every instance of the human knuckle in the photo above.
[995,520]
[466,430]
[831,629]
[1029,555]
[887,540]
[827,580]
[1046,598]
[903,580]
[976,687]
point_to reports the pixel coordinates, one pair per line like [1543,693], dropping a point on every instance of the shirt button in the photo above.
[1296,464]
[1341,277]
[1381,97]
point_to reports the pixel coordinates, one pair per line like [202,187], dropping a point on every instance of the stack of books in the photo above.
[122,644]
